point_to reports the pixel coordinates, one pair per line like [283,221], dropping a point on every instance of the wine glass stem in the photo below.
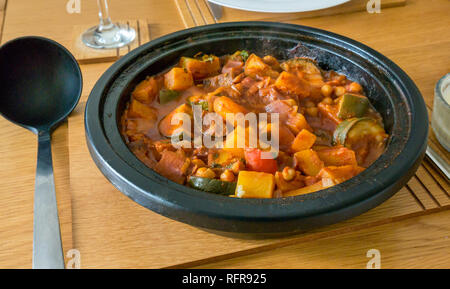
[105,20]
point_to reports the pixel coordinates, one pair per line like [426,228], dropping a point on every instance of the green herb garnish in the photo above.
[207,57]
[244,55]
[201,102]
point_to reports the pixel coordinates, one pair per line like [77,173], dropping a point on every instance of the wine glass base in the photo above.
[115,37]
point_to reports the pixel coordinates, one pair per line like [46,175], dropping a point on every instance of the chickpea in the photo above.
[379,138]
[270,60]
[341,78]
[309,103]
[277,194]
[291,102]
[205,173]
[312,111]
[339,91]
[227,176]
[237,167]
[327,100]
[288,174]
[186,165]
[354,87]
[326,90]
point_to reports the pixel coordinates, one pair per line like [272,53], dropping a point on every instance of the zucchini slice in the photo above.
[365,136]
[305,65]
[349,131]
[212,185]
[352,105]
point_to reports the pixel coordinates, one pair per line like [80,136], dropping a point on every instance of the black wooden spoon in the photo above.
[40,86]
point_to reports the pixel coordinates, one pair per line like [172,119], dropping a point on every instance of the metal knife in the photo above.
[216,10]
[438,161]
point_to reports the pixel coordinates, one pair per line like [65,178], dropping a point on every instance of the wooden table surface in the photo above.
[415,36]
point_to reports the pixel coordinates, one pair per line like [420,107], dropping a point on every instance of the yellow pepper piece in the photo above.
[255,185]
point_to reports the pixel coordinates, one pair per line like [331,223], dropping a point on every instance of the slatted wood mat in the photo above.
[2,15]
[128,228]
[197,12]
[86,54]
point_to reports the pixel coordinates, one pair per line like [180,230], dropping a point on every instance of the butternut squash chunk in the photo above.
[296,122]
[290,83]
[146,90]
[337,156]
[321,185]
[200,68]
[303,141]
[309,162]
[224,105]
[178,79]
[140,110]
[338,174]
[255,66]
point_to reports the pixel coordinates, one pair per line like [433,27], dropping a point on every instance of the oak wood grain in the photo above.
[112,231]
[196,12]
[27,17]
[17,175]
[2,15]
[400,245]
[112,214]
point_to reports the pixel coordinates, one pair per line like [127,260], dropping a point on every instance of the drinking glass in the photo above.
[440,119]
[107,34]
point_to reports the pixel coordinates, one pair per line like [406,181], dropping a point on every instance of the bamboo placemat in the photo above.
[84,54]
[142,239]
[197,12]
[2,12]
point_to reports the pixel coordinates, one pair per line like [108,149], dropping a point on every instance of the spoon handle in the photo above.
[47,248]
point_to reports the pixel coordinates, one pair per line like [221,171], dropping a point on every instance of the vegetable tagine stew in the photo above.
[328,131]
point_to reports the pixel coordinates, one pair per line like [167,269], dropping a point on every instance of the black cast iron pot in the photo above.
[390,90]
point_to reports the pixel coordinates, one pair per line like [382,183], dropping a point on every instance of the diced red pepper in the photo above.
[254,162]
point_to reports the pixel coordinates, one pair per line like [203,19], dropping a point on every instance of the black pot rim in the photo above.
[201,209]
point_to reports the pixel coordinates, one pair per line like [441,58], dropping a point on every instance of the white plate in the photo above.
[279,6]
